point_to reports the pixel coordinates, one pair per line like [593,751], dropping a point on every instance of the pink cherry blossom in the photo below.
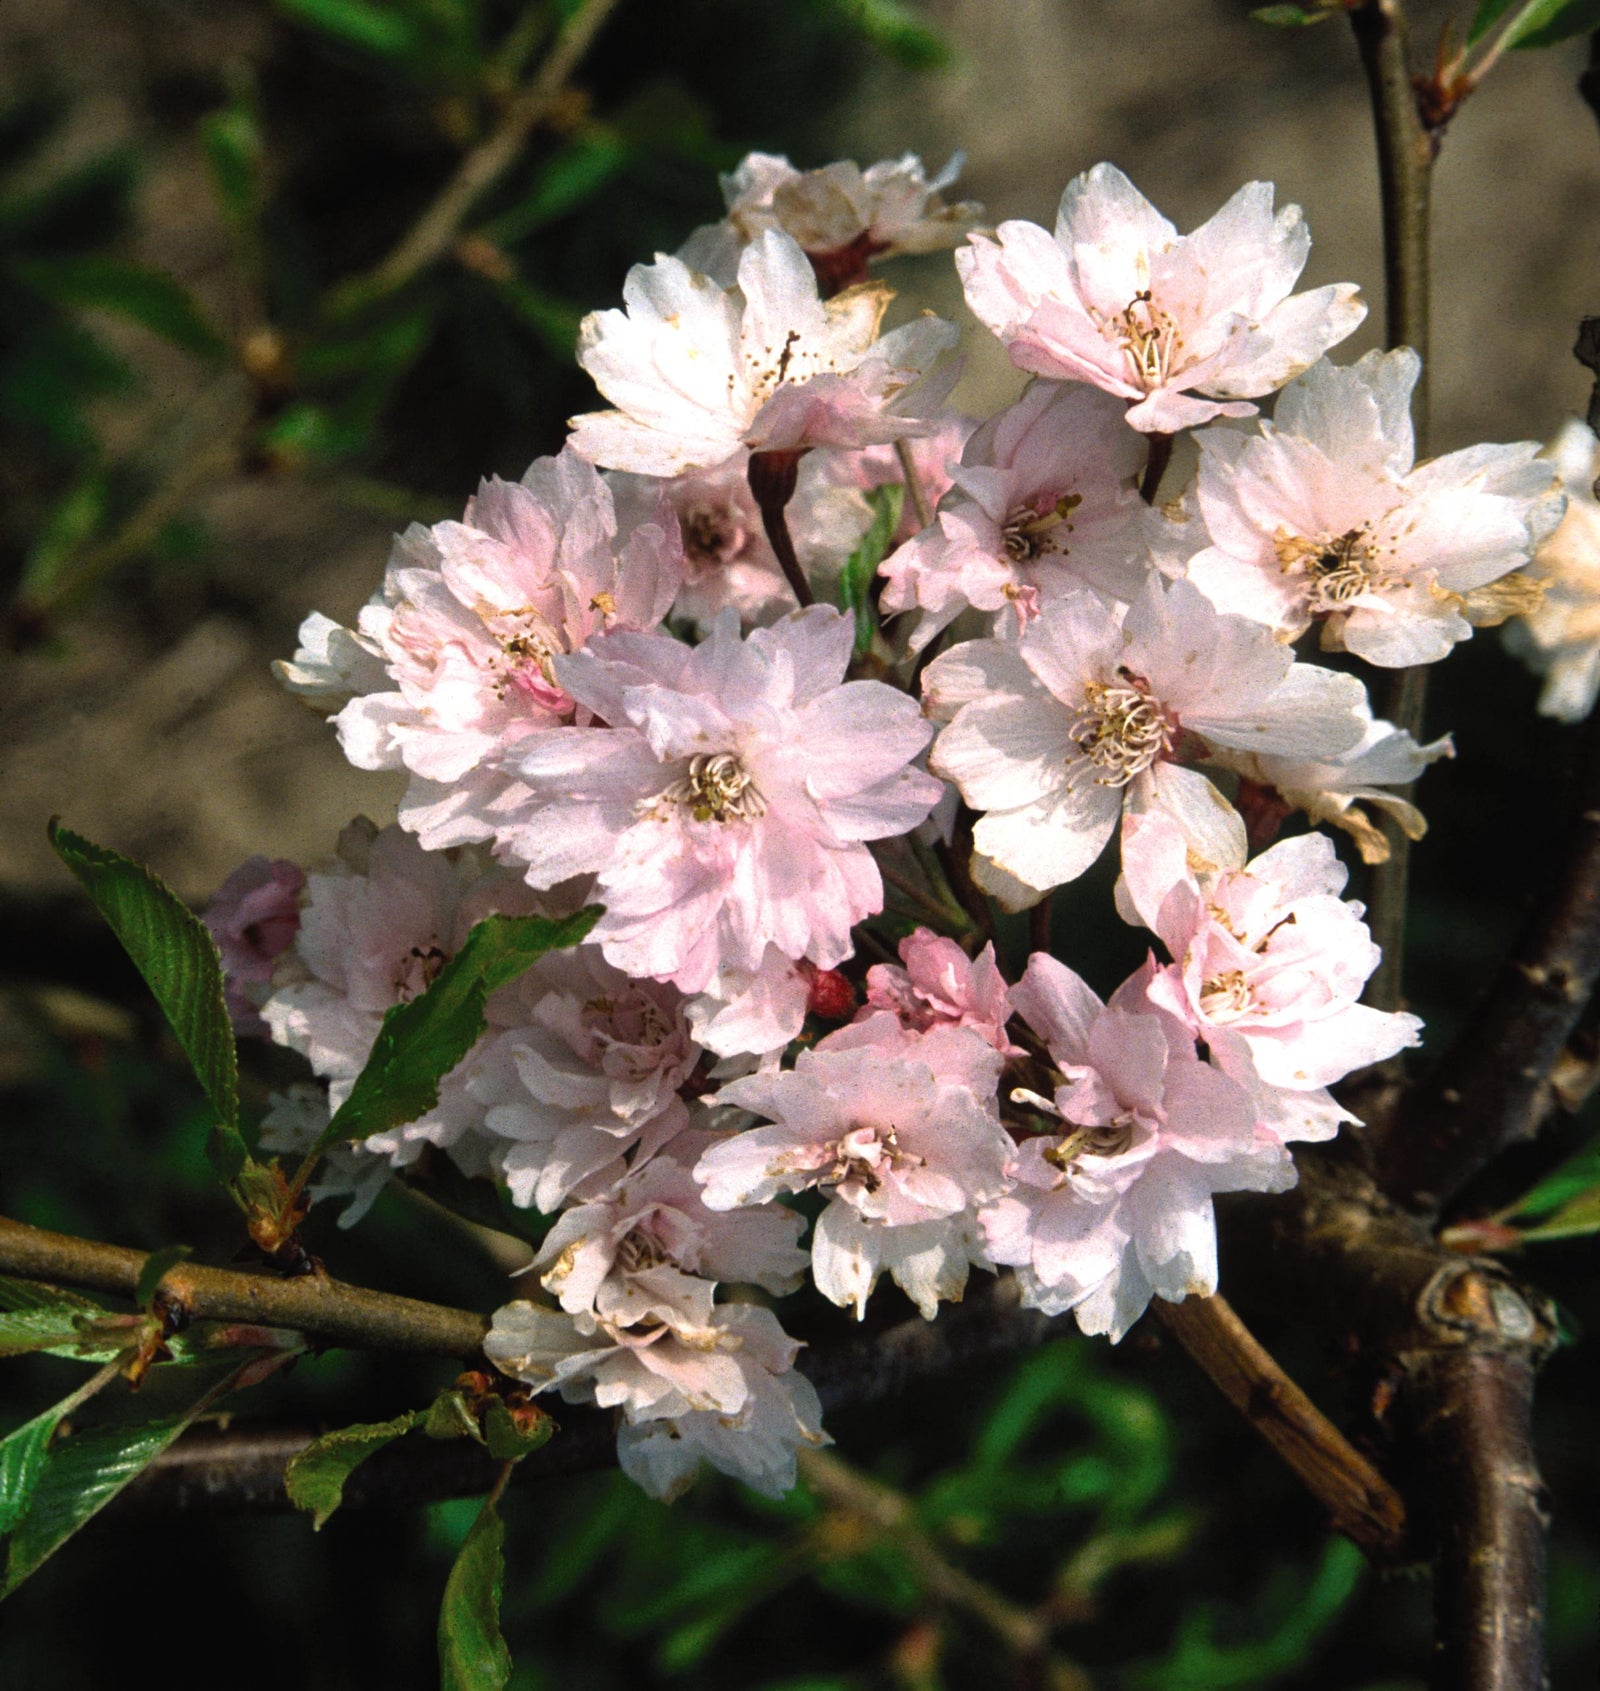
[1043,494]
[1560,637]
[254,917]
[469,620]
[941,986]
[699,371]
[738,1370]
[1116,1206]
[841,215]
[1188,327]
[726,805]
[1268,968]
[900,1130]
[1323,517]
[1096,705]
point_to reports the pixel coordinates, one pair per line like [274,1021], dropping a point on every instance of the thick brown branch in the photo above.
[1472,1418]
[1360,1501]
[1493,1086]
[314,1304]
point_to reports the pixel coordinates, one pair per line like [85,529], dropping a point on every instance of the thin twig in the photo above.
[1155,466]
[1491,1088]
[1405,169]
[1360,1501]
[914,492]
[436,231]
[314,1304]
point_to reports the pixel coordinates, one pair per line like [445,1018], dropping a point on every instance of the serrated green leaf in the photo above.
[472,1654]
[855,579]
[155,1266]
[450,1417]
[315,1477]
[35,1318]
[385,30]
[508,1442]
[154,299]
[231,141]
[420,1042]
[21,1463]
[170,947]
[77,1479]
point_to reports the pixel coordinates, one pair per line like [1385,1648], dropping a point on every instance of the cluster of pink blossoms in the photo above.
[606,684]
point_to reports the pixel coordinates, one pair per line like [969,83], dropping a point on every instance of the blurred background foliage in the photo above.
[244,335]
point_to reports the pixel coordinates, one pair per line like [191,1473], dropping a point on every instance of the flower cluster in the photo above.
[608,684]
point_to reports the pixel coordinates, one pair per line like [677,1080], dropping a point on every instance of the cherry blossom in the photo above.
[899,1129]
[1268,968]
[469,620]
[941,986]
[1043,494]
[698,371]
[1116,1206]
[1560,637]
[841,215]
[738,1370]
[1322,517]
[1096,705]
[1335,789]
[1188,327]
[253,917]
[726,806]
[585,1071]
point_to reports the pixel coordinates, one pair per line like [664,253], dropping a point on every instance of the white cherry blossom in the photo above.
[1188,327]
[1097,705]
[1323,517]
[1560,637]
[698,371]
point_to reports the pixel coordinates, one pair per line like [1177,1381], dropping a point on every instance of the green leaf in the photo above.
[155,1266]
[420,1042]
[231,141]
[1538,23]
[472,1654]
[315,1476]
[1575,1219]
[379,29]
[48,1328]
[509,1442]
[76,1480]
[1575,1179]
[154,299]
[897,29]
[565,181]
[450,1416]
[855,579]
[21,1463]
[66,531]
[1291,17]
[171,948]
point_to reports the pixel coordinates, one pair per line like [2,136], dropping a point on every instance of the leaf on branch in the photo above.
[1539,23]
[315,1477]
[154,299]
[171,948]
[21,1463]
[231,141]
[897,29]
[420,1042]
[1564,1205]
[35,1318]
[385,29]
[512,1434]
[472,1654]
[855,579]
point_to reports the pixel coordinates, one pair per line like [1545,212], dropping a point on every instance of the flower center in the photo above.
[866,1156]
[767,371]
[528,643]
[1149,339]
[1106,1139]
[713,534]
[1227,996]
[418,970]
[1029,534]
[1337,568]
[1121,730]
[639,1250]
[718,788]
